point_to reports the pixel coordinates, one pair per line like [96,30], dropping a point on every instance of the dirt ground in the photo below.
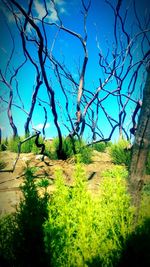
[10,192]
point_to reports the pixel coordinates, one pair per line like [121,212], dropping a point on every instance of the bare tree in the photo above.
[119,70]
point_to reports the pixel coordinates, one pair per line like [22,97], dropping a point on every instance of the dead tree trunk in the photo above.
[141,147]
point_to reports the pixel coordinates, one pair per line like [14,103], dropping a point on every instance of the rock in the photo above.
[39,157]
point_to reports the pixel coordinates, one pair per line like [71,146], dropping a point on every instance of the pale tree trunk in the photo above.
[141,147]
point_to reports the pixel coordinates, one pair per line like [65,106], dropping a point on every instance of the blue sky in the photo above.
[68,50]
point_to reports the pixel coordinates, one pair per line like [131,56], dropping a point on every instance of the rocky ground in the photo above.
[10,182]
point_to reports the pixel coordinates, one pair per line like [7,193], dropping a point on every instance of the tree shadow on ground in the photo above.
[136,251]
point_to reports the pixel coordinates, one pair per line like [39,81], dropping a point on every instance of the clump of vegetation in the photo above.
[101,147]
[21,234]
[2,164]
[83,152]
[26,147]
[4,145]
[68,148]
[43,184]
[120,153]
[71,148]
[13,144]
[82,230]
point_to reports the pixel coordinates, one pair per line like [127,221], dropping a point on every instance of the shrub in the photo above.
[70,148]
[26,147]
[84,155]
[83,152]
[13,144]
[100,147]
[67,148]
[86,231]
[21,234]
[119,152]
[4,145]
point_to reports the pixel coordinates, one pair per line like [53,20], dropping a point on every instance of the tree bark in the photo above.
[141,147]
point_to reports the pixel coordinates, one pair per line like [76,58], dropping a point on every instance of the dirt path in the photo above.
[10,192]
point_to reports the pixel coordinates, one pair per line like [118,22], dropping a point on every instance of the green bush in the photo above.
[100,147]
[13,144]
[119,152]
[88,231]
[67,148]
[83,152]
[26,147]
[84,155]
[21,234]
[70,148]
[4,145]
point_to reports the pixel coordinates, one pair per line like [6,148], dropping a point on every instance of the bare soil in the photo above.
[10,193]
